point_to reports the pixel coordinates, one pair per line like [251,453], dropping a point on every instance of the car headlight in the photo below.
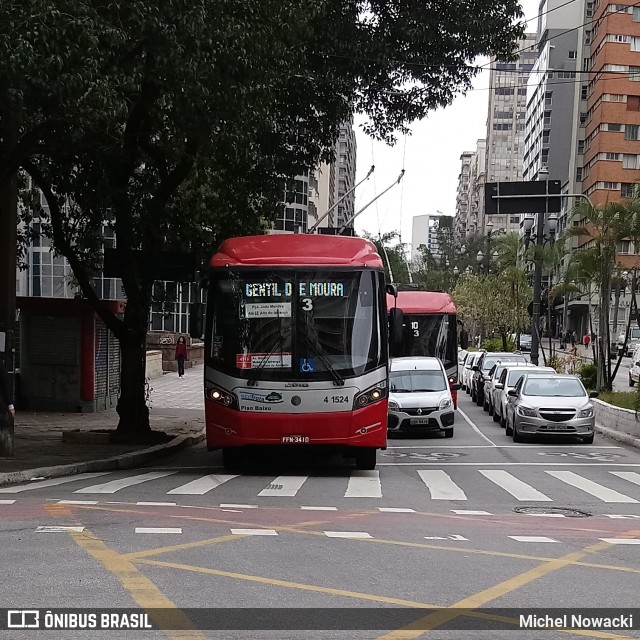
[527,412]
[586,413]
[369,396]
[445,403]
[393,406]
[221,396]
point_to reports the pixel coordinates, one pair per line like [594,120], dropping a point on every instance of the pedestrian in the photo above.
[6,394]
[181,355]
[587,340]
[574,338]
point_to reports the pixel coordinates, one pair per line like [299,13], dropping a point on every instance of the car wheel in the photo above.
[588,439]
[508,429]
[479,401]
[448,433]
[485,406]
[496,417]
[473,396]
[491,410]
[516,434]
[503,422]
[631,381]
[366,458]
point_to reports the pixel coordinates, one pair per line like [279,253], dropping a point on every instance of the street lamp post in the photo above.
[621,283]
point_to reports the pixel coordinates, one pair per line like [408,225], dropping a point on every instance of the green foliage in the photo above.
[588,373]
[393,256]
[556,362]
[495,344]
[623,399]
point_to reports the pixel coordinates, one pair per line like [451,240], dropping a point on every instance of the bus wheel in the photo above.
[366,458]
[232,458]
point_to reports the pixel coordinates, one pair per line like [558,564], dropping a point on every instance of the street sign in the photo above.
[522,197]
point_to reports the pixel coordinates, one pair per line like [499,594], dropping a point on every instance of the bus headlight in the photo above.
[221,396]
[369,396]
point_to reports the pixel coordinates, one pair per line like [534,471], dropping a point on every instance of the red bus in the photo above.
[296,346]
[429,328]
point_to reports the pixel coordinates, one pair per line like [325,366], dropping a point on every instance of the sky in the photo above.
[430,156]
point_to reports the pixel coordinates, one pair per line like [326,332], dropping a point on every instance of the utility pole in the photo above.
[8,259]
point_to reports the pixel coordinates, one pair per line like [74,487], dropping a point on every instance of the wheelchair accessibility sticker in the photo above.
[307,365]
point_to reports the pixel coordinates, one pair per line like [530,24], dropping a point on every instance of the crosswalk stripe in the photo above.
[200,486]
[41,484]
[122,483]
[518,489]
[284,486]
[364,484]
[597,490]
[441,486]
[630,476]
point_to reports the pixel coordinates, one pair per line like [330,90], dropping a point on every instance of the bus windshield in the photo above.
[294,324]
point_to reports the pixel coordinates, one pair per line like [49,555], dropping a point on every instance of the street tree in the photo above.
[393,254]
[133,115]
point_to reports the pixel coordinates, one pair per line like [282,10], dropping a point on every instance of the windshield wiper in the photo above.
[253,376]
[338,380]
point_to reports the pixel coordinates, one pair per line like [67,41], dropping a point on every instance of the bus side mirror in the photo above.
[392,290]
[196,320]
[396,321]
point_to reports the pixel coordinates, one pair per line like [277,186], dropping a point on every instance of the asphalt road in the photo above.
[476,523]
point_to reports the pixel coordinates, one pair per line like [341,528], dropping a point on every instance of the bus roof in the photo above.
[422,302]
[297,250]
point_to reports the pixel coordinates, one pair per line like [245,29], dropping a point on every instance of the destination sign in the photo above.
[280,289]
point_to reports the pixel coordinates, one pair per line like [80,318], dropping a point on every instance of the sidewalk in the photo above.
[177,408]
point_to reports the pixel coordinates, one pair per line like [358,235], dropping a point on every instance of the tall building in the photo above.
[551,91]
[506,123]
[462,222]
[424,232]
[345,166]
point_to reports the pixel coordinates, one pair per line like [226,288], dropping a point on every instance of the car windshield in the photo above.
[470,362]
[412,381]
[554,387]
[634,334]
[489,362]
[514,376]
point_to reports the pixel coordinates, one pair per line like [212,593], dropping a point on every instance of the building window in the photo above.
[578,174]
[634,74]
[614,126]
[580,146]
[573,55]
[630,161]
[633,103]
[624,246]
[631,131]
[626,190]
[583,92]
[636,14]
[514,220]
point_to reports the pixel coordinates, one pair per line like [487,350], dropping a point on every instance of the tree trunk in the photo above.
[503,334]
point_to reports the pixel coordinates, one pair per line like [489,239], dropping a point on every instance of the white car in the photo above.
[419,397]
[508,380]
[634,367]
[467,370]
[633,341]
[493,379]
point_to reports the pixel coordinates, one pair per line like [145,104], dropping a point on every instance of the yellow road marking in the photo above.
[137,555]
[57,510]
[162,611]
[439,618]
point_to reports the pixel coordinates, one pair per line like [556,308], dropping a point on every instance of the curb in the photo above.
[124,461]
[625,438]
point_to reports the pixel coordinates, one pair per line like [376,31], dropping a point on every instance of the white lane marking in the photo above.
[239,506]
[156,504]
[395,510]
[597,490]
[7,501]
[364,484]
[200,486]
[441,486]
[319,508]
[347,534]
[123,483]
[53,482]
[58,529]
[77,502]
[620,540]
[457,536]
[622,517]
[470,512]
[532,539]
[284,486]
[158,530]
[473,426]
[518,489]
[545,515]
[254,532]
[562,447]
[441,463]
[630,476]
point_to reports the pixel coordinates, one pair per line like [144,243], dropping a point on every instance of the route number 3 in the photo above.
[416,332]
[307,304]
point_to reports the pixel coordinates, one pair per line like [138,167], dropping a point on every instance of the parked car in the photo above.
[550,405]
[419,397]
[507,381]
[490,382]
[633,341]
[634,369]
[482,367]
[467,370]
[524,344]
